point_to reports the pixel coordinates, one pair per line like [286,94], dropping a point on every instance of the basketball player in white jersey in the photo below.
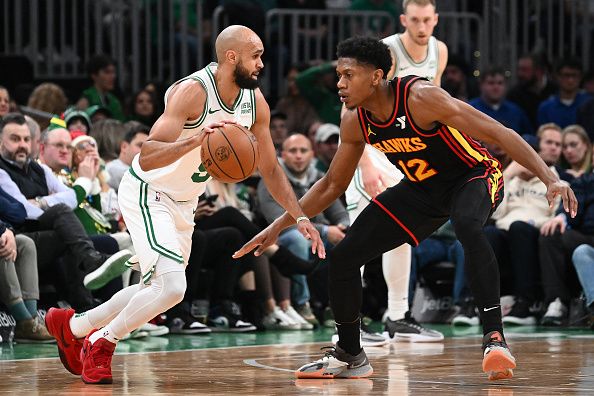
[159,194]
[416,52]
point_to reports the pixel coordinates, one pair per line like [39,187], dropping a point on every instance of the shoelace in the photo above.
[410,321]
[329,351]
[493,341]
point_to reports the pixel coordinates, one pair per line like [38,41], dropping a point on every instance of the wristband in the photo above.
[301,218]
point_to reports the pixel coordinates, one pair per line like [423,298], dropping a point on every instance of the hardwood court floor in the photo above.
[549,363]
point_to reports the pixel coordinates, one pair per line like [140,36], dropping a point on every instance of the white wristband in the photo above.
[301,218]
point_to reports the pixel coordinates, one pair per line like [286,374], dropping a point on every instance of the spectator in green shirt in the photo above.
[101,69]
[318,85]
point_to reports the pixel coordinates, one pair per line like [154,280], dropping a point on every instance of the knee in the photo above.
[467,227]
[25,243]
[583,255]
[520,227]
[341,264]
[175,289]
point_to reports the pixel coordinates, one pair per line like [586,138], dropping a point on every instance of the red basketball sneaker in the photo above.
[498,361]
[57,322]
[96,360]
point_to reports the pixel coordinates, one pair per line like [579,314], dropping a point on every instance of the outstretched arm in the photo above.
[275,179]
[325,191]
[162,148]
[429,104]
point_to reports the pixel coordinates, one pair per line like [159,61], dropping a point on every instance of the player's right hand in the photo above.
[210,128]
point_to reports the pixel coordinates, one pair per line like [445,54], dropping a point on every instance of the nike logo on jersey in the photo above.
[403,68]
[402,122]
[213,111]
[490,309]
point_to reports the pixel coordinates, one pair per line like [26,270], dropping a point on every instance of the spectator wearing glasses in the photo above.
[562,108]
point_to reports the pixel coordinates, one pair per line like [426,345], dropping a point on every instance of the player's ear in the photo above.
[378,75]
[231,56]
[403,20]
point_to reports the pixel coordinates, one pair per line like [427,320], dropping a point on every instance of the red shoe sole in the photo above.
[105,380]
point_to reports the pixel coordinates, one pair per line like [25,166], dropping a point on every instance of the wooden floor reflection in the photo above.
[546,366]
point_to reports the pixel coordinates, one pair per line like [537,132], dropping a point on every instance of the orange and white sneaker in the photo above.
[498,361]
[96,361]
[337,363]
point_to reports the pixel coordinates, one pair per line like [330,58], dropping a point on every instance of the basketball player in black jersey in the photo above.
[430,137]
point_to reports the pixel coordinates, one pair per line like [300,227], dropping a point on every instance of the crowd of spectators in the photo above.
[60,170]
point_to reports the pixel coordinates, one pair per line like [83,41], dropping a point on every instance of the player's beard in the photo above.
[243,78]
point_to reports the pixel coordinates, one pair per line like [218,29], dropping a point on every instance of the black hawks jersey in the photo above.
[436,159]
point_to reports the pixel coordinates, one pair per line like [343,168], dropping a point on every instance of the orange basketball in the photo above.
[230,154]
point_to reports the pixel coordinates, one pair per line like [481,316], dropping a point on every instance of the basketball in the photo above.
[230,154]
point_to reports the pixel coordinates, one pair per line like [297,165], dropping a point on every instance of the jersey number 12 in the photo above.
[417,169]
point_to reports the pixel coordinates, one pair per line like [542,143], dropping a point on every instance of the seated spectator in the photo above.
[442,245]
[559,238]
[492,102]
[577,151]
[49,207]
[4,101]
[77,121]
[518,221]
[109,135]
[229,210]
[457,80]
[278,129]
[297,162]
[143,108]
[35,136]
[562,108]
[19,284]
[585,117]
[327,137]
[101,69]
[97,113]
[300,113]
[534,85]
[130,146]
[50,98]
[583,261]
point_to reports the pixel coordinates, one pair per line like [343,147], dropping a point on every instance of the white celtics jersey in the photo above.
[405,66]
[185,179]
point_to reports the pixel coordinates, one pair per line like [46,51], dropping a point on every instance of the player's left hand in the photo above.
[561,188]
[309,232]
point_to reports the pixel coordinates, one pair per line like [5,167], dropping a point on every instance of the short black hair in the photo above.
[275,114]
[98,62]
[570,63]
[366,50]
[492,71]
[134,128]
[12,118]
